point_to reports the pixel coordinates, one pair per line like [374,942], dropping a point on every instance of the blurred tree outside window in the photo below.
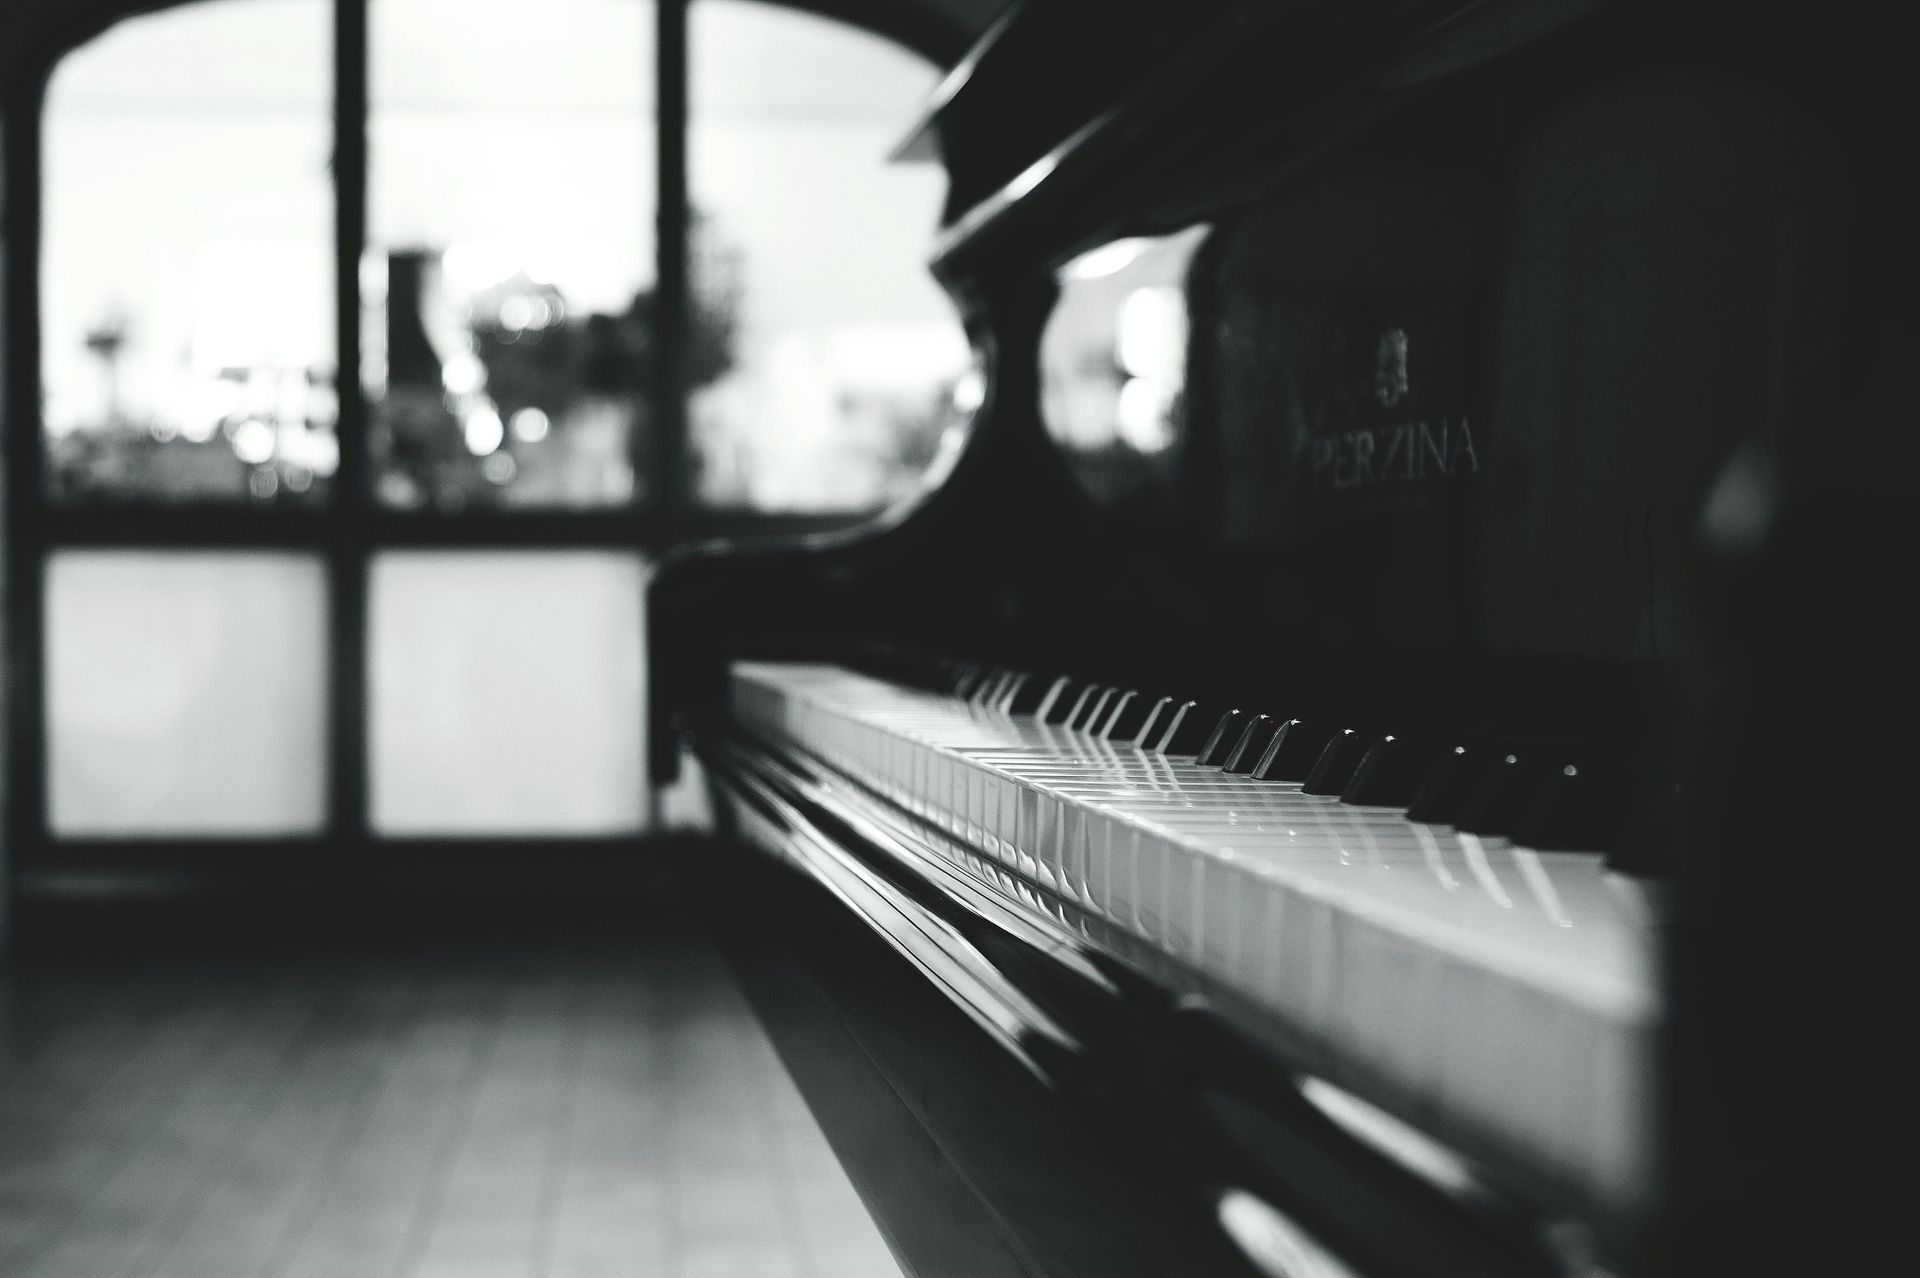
[507,293]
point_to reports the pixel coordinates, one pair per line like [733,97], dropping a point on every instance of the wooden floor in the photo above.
[604,1106]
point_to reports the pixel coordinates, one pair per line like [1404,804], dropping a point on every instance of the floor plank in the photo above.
[548,1108]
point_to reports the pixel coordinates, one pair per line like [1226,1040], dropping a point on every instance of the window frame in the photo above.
[353,526]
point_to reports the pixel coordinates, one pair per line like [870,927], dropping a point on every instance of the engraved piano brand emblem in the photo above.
[1435,448]
[1362,450]
[1390,367]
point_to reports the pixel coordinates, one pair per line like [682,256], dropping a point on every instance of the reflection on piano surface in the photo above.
[1308,789]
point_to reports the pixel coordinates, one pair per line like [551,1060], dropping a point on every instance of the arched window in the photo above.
[375,345]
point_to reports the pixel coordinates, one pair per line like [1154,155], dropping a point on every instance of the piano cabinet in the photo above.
[1483,421]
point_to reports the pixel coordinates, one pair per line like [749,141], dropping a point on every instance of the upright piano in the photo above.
[1377,749]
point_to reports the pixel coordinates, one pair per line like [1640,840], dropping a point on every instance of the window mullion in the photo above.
[664,470]
[25,507]
[348,748]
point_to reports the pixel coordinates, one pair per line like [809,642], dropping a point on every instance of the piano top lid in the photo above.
[1038,73]
[922,141]
[1048,113]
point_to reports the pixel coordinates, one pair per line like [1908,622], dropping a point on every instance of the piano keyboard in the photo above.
[1500,997]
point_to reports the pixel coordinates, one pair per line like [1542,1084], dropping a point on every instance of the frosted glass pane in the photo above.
[506,693]
[186,693]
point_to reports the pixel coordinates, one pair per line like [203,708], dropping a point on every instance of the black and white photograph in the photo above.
[957,638]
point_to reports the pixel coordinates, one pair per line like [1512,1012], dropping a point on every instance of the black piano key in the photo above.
[1252,744]
[965,675]
[1074,705]
[981,676]
[1226,734]
[1632,854]
[1501,799]
[1157,719]
[1032,697]
[1390,773]
[983,689]
[1336,764]
[1128,716]
[1449,784]
[1575,811]
[1291,754]
[1064,698]
[1186,730]
[1084,719]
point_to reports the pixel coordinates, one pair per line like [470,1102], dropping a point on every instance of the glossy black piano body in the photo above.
[1540,376]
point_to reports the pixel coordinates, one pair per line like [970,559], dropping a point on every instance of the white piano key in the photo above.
[1106,855]
[1220,887]
[1183,894]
